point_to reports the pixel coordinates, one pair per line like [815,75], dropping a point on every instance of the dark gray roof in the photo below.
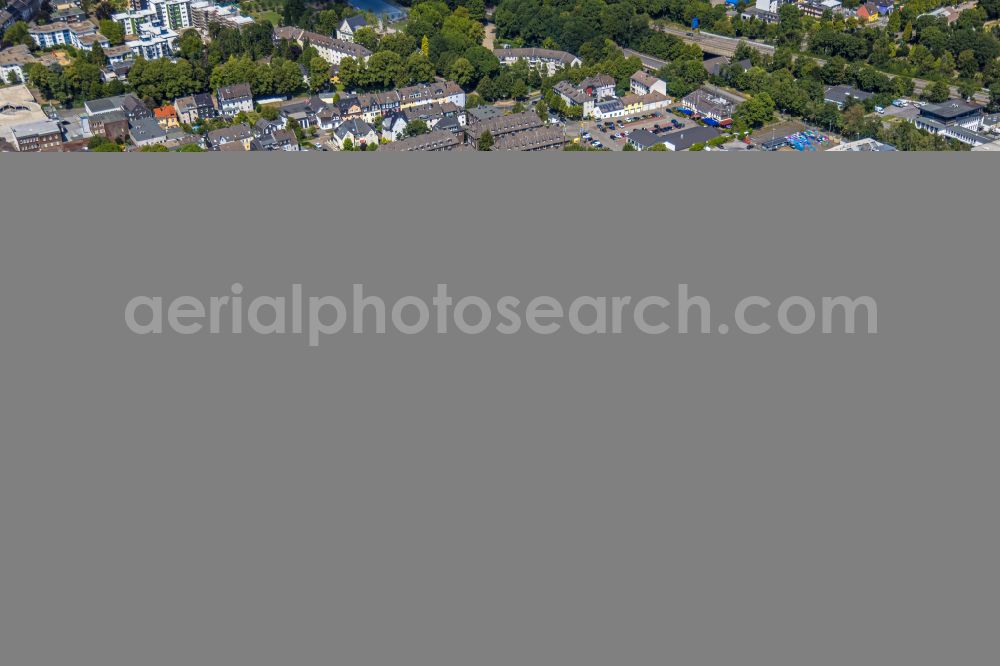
[356,22]
[953,108]
[235,92]
[144,129]
[687,137]
[644,138]
[840,94]
[354,126]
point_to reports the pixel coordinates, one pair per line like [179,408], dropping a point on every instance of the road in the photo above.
[719,45]
[712,43]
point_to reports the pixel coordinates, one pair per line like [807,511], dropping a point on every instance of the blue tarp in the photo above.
[710,121]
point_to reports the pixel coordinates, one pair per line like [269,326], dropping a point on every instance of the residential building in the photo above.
[636,104]
[481,113]
[771,5]
[330,49]
[129,104]
[196,107]
[609,108]
[71,14]
[685,138]
[711,103]
[37,136]
[205,12]
[642,83]
[146,132]
[235,99]
[131,20]
[88,42]
[714,66]
[174,14]
[548,60]
[350,25]
[549,137]
[17,107]
[374,105]
[840,95]
[117,55]
[867,13]
[434,141]
[20,10]
[816,8]
[302,111]
[240,134]
[14,61]
[357,131]
[166,116]
[763,15]
[950,14]
[60,33]
[587,93]
[112,125]
[154,41]
[395,123]
[282,139]
[501,126]
[6,20]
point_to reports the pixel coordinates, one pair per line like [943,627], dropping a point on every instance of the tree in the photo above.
[937,92]
[114,31]
[384,70]
[326,21]
[348,144]
[462,72]
[755,112]
[367,37]
[191,148]
[485,141]
[104,11]
[659,148]
[967,88]
[473,100]
[416,128]
[319,74]
[157,148]
[519,90]
[425,46]
[476,9]
[854,120]
[18,34]
[542,109]
[294,11]
[418,68]
[995,97]
[628,148]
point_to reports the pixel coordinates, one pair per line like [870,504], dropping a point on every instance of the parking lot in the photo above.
[599,132]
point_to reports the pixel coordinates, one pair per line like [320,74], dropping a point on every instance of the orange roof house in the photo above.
[166,116]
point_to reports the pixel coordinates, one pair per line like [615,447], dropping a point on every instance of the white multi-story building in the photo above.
[173,14]
[205,12]
[58,34]
[130,21]
[548,60]
[329,49]
[154,41]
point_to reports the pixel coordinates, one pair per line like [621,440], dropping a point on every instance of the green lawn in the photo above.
[273,17]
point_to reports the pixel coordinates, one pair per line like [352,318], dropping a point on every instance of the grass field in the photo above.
[273,17]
